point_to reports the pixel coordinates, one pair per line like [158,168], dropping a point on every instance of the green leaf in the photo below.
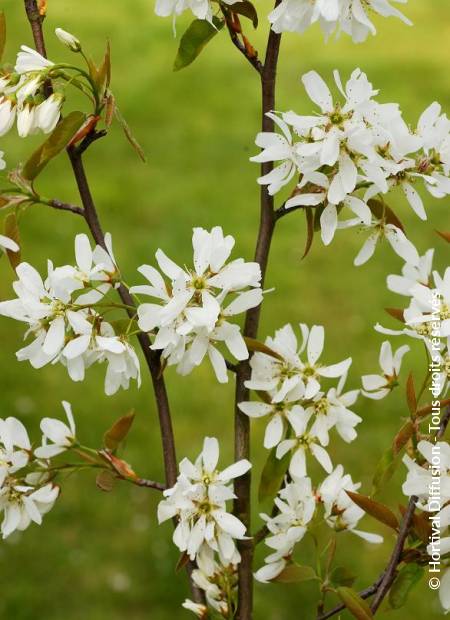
[408,577]
[260,347]
[128,134]
[342,576]
[354,603]
[294,573]
[198,34]
[384,470]
[11,228]
[272,475]
[378,511]
[403,436]
[246,9]
[2,33]
[118,431]
[55,143]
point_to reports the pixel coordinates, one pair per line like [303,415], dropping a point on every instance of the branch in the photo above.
[242,487]
[234,29]
[63,206]
[91,216]
[150,484]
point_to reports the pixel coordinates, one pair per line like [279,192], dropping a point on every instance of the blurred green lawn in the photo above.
[99,555]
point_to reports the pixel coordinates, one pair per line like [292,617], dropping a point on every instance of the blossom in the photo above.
[61,435]
[15,447]
[23,504]
[430,305]
[286,371]
[29,60]
[412,274]
[296,506]
[201,611]
[192,314]
[341,513]
[349,16]
[377,387]
[201,9]
[6,243]
[198,500]
[49,111]
[68,39]
[420,477]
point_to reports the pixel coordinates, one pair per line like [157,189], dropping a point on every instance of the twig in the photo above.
[150,484]
[234,30]
[367,593]
[64,206]
[242,508]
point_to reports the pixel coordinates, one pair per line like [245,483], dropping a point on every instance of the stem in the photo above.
[242,485]
[63,206]
[152,358]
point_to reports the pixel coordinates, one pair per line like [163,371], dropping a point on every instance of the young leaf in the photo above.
[11,229]
[396,313]
[411,395]
[445,235]
[354,603]
[2,34]
[407,578]
[378,511]
[255,345]
[118,431]
[272,475]
[128,134]
[58,140]
[294,573]
[380,210]
[105,481]
[246,9]
[198,34]
[309,230]
[403,436]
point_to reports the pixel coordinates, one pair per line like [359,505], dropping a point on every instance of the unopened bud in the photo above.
[68,39]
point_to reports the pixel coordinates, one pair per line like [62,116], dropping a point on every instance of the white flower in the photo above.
[49,111]
[296,506]
[191,315]
[68,39]
[288,372]
[15,447]
[7,114]
[354,19]
[431,305]
[61,435]
[23,504]
[382,230]
[202,9]
[27,120]
[199,499]
[201,611]
[341,513]
[420,478]
[377,387]
[412,274]
[8,244]
[30,60]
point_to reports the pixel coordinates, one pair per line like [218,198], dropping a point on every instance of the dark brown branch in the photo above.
[64,206]
[242,485]
[150,484]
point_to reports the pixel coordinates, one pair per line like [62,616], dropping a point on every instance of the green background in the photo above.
[102,556]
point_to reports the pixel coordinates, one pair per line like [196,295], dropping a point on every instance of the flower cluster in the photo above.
[429,481]
[427,316]
[26,490]
[194,310]
[297,504]
[62,317]
[352,152]
[201,9]
[301,413]
[349,16]
[198,501]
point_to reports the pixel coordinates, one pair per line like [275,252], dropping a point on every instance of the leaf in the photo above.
[407,578]
[129,136]
[396,313]
[384,470]
[58,140]
[309,230]
[246,9]
[118,431]
[341,576]
[294,573]
[2,34]
[183,561]
[421,524]
[402,437]
[424,411]
[272,475]
[445,235]
[354,603]
[195,38]
[378,511]
[101,75]
[381,210]
[11,229]
[105,481]
[411,395]
[260,347]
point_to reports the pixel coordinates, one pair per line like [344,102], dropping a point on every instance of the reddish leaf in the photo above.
[445,235]
[11,229]
[411,395]
[378,511]
[118,431]
[260,347]
[397,313]
[381,210]
[403,436]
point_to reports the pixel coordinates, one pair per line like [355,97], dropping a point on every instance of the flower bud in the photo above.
[68,39]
